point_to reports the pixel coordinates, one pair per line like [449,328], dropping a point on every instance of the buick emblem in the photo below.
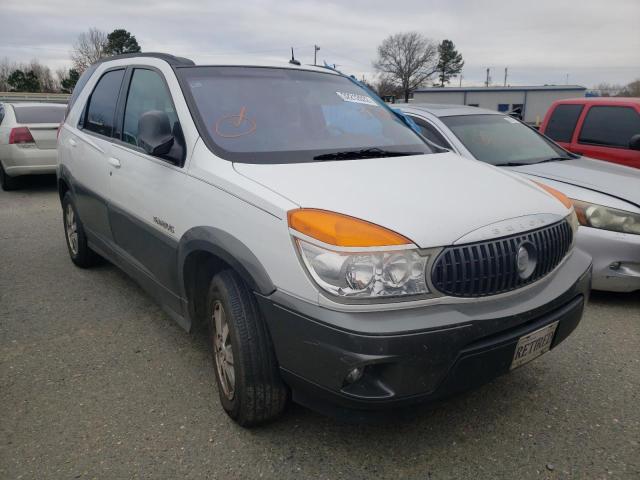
[526,259]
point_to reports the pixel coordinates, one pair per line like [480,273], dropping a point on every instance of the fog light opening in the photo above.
[354,375]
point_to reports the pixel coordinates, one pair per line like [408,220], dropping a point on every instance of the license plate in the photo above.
[533,345]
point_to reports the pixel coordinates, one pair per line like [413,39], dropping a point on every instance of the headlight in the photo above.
[372,274]
[606,218]
[352,258]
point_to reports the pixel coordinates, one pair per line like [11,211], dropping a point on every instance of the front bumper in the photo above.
[420,354]
[616,258]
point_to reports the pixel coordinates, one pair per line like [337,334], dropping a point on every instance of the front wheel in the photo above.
[249,385]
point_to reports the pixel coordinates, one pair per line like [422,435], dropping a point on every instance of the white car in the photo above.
[28,140]
[332,253]
[606,196]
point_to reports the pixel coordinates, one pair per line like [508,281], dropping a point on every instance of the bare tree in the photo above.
[89,48]
[631,90]
[386,86]
[48,83]
[409,59]
[607,89]
[6,68]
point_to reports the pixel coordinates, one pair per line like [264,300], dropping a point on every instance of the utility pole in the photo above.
[505,76]
[461,80]
[567,80]
[488,80]
[316,48]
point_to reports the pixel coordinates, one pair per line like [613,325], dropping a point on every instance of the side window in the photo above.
[610,126]
[147,92]
[562,122]
[1,113]
[101,109]
[431,133]
[503,107]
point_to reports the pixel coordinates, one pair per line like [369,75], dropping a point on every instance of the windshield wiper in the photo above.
[522,164]
[364,153]
[555,159]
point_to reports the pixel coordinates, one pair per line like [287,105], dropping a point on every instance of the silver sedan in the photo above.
[28,140]
[606,196]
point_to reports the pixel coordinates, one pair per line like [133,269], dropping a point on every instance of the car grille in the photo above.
[488,268]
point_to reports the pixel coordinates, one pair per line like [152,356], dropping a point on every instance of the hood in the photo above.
[431,199]
[603,177]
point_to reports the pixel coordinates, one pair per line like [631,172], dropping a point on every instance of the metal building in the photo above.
[532,102]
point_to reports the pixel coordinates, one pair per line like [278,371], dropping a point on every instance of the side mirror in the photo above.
[154,133]
[634,143]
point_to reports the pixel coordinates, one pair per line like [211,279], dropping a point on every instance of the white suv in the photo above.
[334,254]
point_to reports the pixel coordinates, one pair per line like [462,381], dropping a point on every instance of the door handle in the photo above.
[73,143]
[114,162]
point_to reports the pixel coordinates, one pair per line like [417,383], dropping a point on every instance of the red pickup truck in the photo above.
[607,128]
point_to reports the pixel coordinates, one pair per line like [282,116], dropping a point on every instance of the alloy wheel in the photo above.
[72,229]
[223,351]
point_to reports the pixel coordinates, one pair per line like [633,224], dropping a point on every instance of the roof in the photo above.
[170,59]
[443,110]
[34,104]
[514,88]
[605,100]
[236,62]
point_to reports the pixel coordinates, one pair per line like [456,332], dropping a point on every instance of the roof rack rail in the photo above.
[170,59]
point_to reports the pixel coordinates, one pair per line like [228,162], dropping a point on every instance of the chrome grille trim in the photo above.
[489,267]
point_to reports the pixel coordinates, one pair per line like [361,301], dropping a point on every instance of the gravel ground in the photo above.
[97,382]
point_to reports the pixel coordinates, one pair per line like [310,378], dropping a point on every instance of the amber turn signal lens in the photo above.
[559,195]
[342,230]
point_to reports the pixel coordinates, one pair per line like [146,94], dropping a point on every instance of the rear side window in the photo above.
[101,109]
[610,126]
[39,114]
[147,92]
[562,122]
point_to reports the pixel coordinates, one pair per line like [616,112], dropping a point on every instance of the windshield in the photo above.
[280,115]
[39,114]
[502,140]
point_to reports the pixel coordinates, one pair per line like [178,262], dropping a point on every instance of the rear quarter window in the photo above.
[610,126]
[39,114]
[101,109]
[563,122]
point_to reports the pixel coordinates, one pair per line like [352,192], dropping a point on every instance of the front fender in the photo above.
[230,250]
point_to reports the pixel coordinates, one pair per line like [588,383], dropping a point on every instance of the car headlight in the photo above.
[351,258]
[366,274]
[607,218]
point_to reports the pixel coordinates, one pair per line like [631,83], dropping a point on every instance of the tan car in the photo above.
[28,134]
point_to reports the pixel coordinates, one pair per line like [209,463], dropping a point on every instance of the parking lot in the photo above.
[97,382]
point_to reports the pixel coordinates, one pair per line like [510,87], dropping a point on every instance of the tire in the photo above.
[257,393]
[75,237]
[6,182]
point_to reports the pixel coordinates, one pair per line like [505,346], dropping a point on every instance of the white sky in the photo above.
[541,41]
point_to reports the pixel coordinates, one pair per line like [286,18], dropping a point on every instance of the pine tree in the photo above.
[450,62]
[120,41]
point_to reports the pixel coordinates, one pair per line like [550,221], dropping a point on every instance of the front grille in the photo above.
[488,268]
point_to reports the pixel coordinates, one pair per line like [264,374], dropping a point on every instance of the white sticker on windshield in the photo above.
[357,98]
[511,120]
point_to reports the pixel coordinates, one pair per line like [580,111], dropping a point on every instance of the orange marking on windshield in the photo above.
[241,116]
[235,126]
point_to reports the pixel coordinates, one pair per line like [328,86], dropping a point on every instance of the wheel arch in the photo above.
[205,251]
[64,181]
